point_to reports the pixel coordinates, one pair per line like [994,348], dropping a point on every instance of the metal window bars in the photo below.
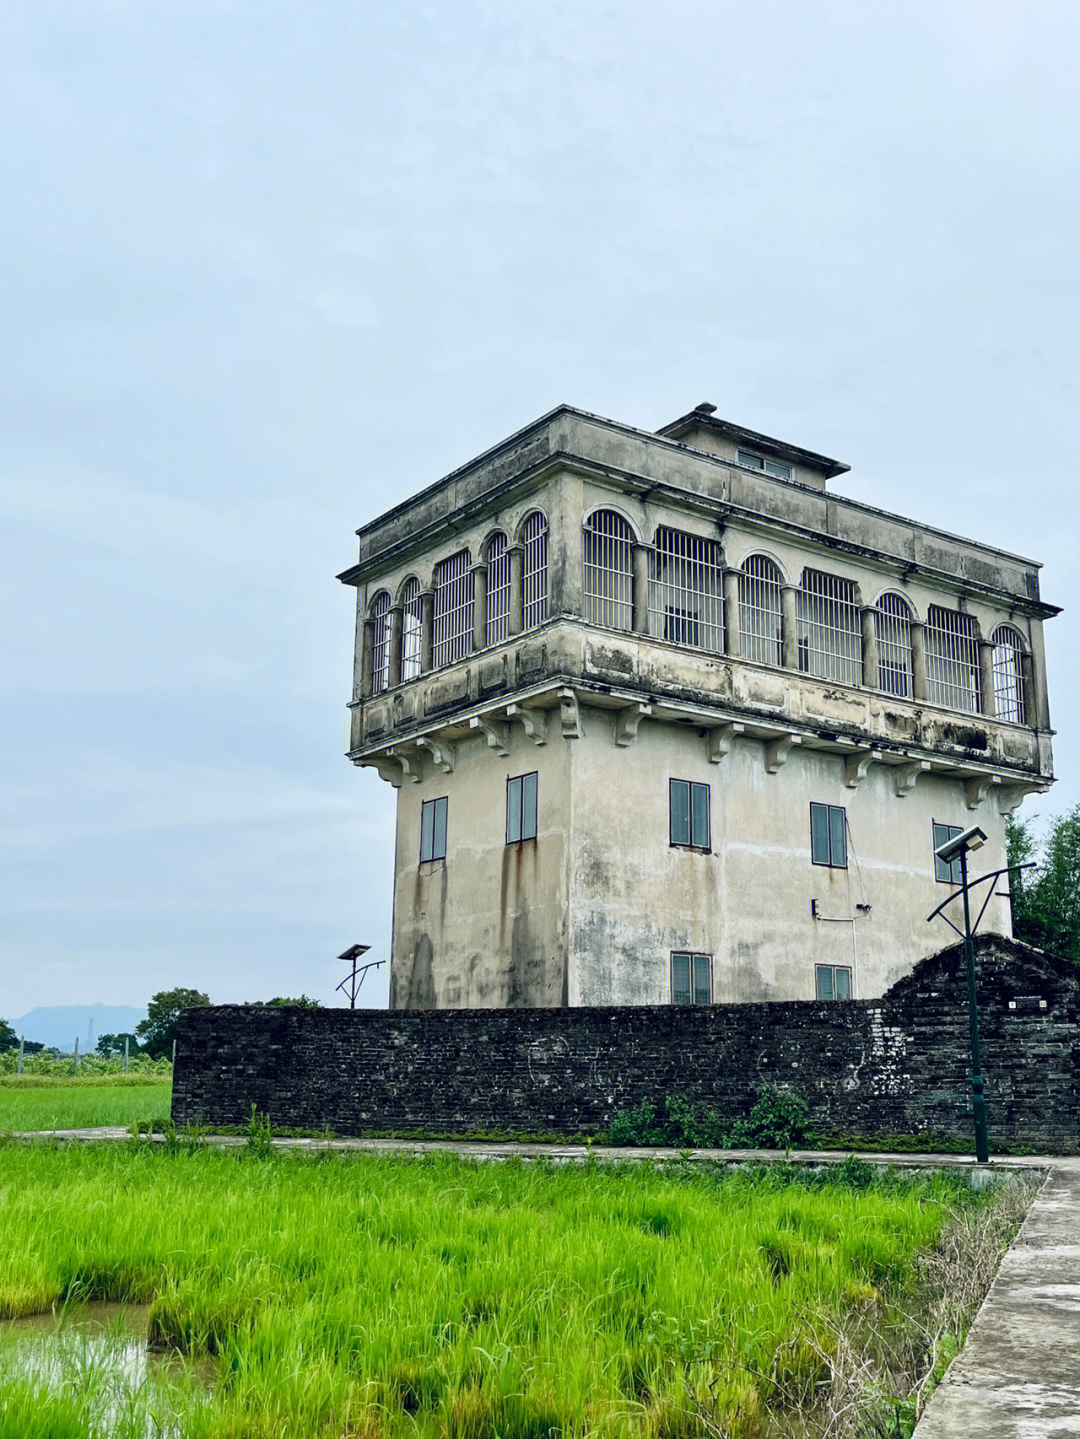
[828,628]
[498,589]
[759,611]
[411,657]
[952,660]
[609,583]
[453,620]
[686,592]
[380,651]
[1009,698]
[895,673]
[534,569]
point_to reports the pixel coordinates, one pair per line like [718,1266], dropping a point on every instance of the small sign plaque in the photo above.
[1027,1004]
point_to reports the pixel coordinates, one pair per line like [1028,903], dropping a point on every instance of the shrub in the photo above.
[779,1120]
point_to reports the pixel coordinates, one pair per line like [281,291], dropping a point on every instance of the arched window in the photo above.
[759,610]
[952,660]
[609,583]
[686,591]
[380,652]
[1009,698]
[498,591]
[534,569]
[895,675]
[411,658]
[453,620]
[828,628]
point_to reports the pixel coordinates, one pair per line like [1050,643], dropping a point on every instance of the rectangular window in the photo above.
[433,829]
[946,873]
[832,981]
[691,979]
[521,808]
[828,835]
[759,462]
[688,805]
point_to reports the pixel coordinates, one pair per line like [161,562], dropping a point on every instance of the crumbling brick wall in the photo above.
[896,1065]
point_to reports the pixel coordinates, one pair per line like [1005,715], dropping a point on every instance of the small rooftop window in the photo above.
[759,462]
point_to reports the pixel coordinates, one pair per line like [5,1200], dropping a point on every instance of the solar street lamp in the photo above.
[357,971]
[958,848]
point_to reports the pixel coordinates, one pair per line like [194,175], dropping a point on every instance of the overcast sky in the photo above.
[270,268]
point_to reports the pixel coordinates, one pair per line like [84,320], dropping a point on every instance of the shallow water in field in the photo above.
[101,1354]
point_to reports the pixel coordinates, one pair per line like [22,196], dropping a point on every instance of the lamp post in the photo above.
[350,985]
[954,849]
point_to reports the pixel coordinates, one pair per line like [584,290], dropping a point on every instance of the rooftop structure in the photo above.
[669,720]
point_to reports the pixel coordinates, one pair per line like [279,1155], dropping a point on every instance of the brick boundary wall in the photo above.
[896,1065]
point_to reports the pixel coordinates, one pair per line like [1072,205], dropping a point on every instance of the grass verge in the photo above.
[349,1295]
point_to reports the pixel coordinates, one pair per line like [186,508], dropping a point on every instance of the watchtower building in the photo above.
[670,721]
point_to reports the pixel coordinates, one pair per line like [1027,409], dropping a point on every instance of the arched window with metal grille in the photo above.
[453,619]
[380,652]
[534,569]
[1010,701]
[895,673]
[759,610]
[686,590]
[828,628]
[410,630]
[609,581]
[952,660]
[498,589]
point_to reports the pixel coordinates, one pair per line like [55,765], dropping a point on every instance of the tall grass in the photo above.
[33,1102]
[353,1295]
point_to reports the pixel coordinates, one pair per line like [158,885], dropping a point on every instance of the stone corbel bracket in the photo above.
[856,764]
[569,714]
[1012,796]
[908,774]
[494,731]
[389,769]
[777,751]
[533,721]
[441,751]
[719,738]
[409,761]
[627,721]
[975,789]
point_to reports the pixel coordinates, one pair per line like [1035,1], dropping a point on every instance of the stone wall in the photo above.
[898,1065]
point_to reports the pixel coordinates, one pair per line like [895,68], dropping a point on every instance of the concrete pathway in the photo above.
[568,1153]
[1018,1376]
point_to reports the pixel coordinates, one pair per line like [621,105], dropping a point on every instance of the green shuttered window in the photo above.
[521,808]
[691,978]
[828,835]
[689,826]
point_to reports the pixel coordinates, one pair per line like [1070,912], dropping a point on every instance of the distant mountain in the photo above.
[57,1025]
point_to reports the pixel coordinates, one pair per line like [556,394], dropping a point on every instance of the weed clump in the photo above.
[779,1119]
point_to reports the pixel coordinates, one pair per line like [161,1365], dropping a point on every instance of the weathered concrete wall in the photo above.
[590,911]
[635,899]
[487,926]
[898,1065]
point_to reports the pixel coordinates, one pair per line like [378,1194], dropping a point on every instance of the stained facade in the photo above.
[670,721]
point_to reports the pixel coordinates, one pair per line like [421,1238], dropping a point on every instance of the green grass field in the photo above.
[33,1102]
[357,1296]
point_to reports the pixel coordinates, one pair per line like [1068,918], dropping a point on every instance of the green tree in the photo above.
[1046,899]
[8,1038]
[109,1044]
[284,1001]
[157,1031]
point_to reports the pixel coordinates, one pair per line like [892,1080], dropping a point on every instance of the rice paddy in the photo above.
[353,1295]
[34,1102]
